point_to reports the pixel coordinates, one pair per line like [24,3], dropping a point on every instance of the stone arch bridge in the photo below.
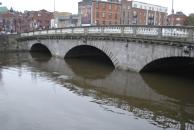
[128,47]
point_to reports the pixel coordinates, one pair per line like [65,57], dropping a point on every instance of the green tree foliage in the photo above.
[190,20]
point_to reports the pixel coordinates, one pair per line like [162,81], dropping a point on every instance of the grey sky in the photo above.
[71,5]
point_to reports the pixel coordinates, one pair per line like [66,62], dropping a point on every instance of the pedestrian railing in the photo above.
[179,32]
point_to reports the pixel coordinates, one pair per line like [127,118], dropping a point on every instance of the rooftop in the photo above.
[3,9]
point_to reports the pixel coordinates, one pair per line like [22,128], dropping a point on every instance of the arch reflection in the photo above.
[144,96]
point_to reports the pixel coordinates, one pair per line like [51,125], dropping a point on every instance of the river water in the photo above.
[41,93]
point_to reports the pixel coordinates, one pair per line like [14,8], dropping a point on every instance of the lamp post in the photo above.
[54,15]
[172,18]
[54,5]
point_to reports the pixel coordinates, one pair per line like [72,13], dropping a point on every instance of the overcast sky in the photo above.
[187,6]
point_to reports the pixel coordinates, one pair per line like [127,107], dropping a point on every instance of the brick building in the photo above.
[8,22]
[134,12]
[97,12]
[36,20]
[13,21]
[177,19]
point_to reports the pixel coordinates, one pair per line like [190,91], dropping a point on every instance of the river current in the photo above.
[47,93]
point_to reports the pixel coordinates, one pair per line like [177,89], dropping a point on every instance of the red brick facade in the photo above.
[93,12]
[105,13]
[177,19]
[114,12]
[35,20]
[24,22]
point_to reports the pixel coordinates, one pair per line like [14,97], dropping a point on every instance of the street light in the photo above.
[54,5]
[54,15]
[172,22]
[172,6]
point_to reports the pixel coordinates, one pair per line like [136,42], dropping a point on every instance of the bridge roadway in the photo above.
[128,47]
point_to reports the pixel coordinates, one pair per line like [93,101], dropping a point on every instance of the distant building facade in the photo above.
[125,12]
[64,19]
[37,20]
[3,10]
[13,21]
[8,23]
[177,19]
[134,12]
[97,12]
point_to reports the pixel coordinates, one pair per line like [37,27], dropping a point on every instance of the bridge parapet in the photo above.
[162,32]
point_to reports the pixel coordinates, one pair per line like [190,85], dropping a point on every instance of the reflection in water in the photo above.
[165,102]
[170,65]
[41,57]
[127,90]
[92,71]
[175,87]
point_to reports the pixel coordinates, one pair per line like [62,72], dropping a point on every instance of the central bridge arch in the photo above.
[89,52]
[39,47]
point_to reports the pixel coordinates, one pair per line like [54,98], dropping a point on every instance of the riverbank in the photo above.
[8,43]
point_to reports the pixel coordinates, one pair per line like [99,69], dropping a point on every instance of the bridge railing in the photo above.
[179,32]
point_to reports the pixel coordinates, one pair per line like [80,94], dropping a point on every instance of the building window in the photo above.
[97,14]
[97,5]
[103,22]
[134,13]
[110,15]
[117,7]
[110,23]
[135,5]
[97,22]
[178,19]
[123,13]
[104,6]
[110,6]
[103,14]
[116,16]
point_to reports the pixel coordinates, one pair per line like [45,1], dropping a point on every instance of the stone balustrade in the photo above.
[179,32]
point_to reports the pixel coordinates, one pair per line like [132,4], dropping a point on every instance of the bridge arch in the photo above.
[170,64]
[39,47]
[125,55]
[92,51]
